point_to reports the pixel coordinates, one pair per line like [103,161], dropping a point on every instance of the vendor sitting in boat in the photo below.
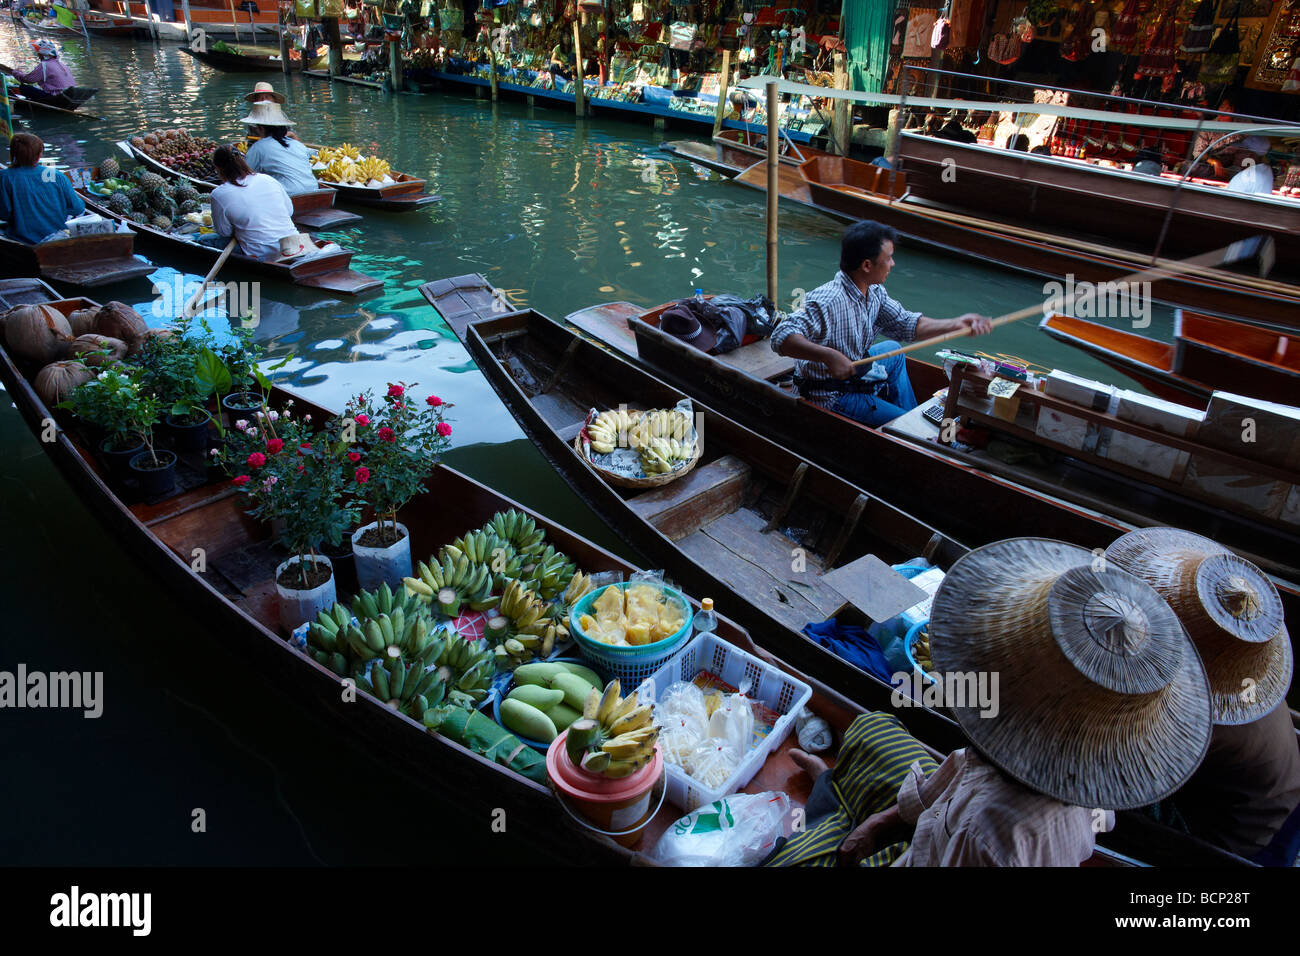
[255,210]
[839,323]
[35,201]
[48,78]
[278,154]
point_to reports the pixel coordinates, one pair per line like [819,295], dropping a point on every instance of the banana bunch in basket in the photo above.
[663,423]
[339,171]
[607,428]
[327,154]
[663,438]
[372,168]
[661,455]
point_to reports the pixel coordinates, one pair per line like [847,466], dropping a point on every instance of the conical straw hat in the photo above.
[266,114]
[1231,610]
[1102,700]
[261,90]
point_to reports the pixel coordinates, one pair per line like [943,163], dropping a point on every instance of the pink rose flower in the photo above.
[354,456]
[434,401]
[274,446]
[444,429]
[387,434]
[362,419]
[256,460]
[362,475]
[395,391]
[240,479]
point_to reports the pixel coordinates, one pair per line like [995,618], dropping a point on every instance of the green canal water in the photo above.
[563,214]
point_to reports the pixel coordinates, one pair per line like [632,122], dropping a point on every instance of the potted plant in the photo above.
[396,443]
[296,478]
[170,370]
[114,402]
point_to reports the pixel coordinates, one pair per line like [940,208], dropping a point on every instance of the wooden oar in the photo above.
[1261,246]
[221,260]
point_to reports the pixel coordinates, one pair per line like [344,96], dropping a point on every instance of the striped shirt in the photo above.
[968,814]
[838,315]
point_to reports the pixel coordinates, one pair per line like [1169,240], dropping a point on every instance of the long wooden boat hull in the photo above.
[329,273]
[1065,194]
[499,343]
[97,24]
[313,210]
[405,194]
[1208,354]
[1273,304]
[235,62]
[83,262]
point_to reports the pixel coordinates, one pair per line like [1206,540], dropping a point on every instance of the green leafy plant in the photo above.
[297,474]
[399,441]
[169,368]
[116,401]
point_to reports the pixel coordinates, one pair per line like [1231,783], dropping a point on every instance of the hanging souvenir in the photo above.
[1159,58]
[1005,48]
[1078,44]
[941,35]
[1127,25]
[1220,63]
[1292,82]
[1201,30]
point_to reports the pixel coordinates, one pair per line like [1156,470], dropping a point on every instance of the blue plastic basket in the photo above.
[630,665]
[908,643]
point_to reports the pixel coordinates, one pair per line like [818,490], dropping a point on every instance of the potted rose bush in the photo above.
[297,479]
[396,442]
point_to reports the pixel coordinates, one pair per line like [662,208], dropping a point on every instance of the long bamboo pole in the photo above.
[773,186]
[234,22]
[723,82]
[579,86]
[189,26]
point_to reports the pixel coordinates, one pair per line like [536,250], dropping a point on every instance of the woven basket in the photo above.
[652,481]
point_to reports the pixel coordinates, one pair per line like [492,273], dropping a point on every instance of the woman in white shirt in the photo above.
[276,154]
[255,209]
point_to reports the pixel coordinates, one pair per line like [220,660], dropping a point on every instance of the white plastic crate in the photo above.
[769,685]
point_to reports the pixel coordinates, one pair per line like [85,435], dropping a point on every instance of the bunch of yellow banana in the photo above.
[607,430]
[616,735]
[372,168]
[327,154]
[450,579]
[339,171]
[521,630]
[665,423]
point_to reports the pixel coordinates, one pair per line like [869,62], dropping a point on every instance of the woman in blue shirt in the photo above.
[35,202]
[277,154]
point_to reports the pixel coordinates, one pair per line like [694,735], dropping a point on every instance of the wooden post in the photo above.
[721,111]
[395,64]
[189,27]
[579,86]
[284,40]
[493,79]
[235,22]
[841,128]
[773,186]
[331,25]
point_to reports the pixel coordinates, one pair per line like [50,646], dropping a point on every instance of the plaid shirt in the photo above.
[838,315]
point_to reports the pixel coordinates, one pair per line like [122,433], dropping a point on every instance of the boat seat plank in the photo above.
[790,182]
[608,324]
[742,532]
[559,409]
[681,507]
[754,583]
[758,359]
[219,528]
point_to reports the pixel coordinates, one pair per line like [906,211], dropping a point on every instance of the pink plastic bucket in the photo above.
[619,808]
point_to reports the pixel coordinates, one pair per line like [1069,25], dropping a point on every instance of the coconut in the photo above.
[57,380]
[158,334]
[37,333]
[87,347]
[83,321]
[119,321]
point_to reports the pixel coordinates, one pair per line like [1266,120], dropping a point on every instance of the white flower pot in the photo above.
[377,565]
[297,607]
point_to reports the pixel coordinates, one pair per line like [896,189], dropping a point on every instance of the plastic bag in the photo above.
[739,830]
[815,735]
[683,722]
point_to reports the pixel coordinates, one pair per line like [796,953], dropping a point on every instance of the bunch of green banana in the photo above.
[521,630]
[517,530]
[549,573]
[382,601]
[661,455]
[609,430]
[467,668]
[616,735]
[326,639]
[405,686]
[451,579]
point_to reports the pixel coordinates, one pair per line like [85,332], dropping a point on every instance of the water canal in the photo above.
[563,214]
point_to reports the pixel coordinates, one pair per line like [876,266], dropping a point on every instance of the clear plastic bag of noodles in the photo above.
[731,732]
[683,721]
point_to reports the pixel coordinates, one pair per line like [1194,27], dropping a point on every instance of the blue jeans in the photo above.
[891,400]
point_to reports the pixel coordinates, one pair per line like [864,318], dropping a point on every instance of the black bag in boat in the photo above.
[720,324]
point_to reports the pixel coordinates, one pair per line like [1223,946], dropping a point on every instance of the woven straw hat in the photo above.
[1102,699]
[262,90]
[266,114]
[1231,610]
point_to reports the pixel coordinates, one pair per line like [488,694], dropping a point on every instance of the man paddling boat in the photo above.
[840,323]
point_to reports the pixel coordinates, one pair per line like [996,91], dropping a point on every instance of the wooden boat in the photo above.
[716,531]
[67,103]
[105,25]
[82,262]
[313,210]
[405,194]
[1060,194]
[39,23]
[327,272]
[1208,354]
[850,190]
[236,62]
[236,595]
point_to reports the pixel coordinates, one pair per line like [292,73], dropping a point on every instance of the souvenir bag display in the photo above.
[1078,44]
[1005,48]
[1201,30]
[1159,58]
[941,35]
[1128,23]
[1220,63]
[451,19]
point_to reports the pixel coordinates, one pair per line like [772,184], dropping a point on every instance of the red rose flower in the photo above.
[444,429]
[274,445]
[362,475]
[256,460]
[240,479]
[304,447]
[395,391]
[354,456]
[387,434]
[362,419]
[433,400]
[302,468]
